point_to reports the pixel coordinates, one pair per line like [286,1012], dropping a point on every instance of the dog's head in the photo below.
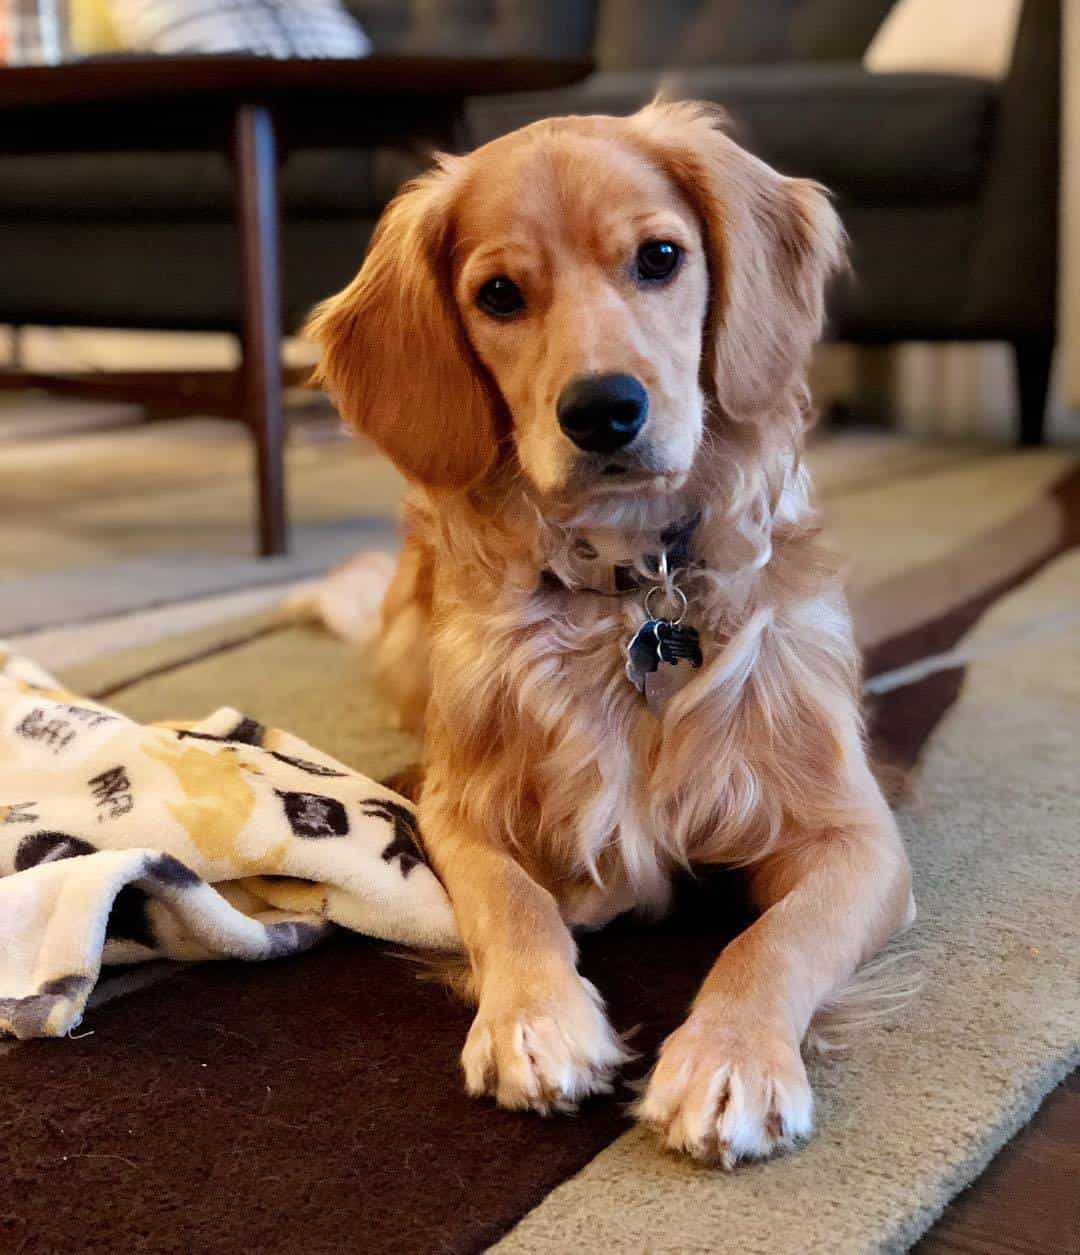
[584,295]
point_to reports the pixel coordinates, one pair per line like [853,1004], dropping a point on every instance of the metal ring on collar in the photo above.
[675,591]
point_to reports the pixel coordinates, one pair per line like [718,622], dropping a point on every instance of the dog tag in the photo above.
[679,643]
[643,653]
[656,642]
[662,685]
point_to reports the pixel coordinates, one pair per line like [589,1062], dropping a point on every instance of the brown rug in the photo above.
[315,1104]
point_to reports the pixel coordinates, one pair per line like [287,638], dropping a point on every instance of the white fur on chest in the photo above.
[601,739]
[605,798]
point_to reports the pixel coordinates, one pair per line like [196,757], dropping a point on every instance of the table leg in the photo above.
[257,215]
[1034,357]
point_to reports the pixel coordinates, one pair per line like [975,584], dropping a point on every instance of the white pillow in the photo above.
[946,37]
[267,28]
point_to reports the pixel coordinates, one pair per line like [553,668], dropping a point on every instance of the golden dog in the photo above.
[585,345]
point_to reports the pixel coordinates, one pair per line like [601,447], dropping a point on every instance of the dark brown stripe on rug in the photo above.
[311,1105]
[901,721]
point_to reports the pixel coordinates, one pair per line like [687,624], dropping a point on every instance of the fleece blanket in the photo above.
[122,842]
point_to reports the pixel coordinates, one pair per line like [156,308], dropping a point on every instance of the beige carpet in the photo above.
[101,523]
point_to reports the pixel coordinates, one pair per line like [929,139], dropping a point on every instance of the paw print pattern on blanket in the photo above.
[405,847]
[313,817]
[121,842]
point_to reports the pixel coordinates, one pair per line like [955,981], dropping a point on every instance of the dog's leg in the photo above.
[540,1038]
[730,1083]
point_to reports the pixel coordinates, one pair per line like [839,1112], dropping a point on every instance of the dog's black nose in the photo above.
[602,413]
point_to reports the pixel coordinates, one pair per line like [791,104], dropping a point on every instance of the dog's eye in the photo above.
[657,259]
[500,297]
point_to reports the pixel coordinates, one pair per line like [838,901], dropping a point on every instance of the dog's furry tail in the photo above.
[346,600]
[875,996]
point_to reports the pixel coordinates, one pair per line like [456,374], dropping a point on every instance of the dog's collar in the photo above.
[595,570]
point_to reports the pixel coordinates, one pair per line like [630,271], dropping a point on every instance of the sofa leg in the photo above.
[257,215]
[1034,357]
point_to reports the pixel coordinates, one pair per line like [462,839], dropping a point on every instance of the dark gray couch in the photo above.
[948,185]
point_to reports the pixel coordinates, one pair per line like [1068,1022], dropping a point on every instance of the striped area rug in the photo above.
[105,523]
[315,1105]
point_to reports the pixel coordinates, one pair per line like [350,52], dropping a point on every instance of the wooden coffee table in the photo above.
[254,108]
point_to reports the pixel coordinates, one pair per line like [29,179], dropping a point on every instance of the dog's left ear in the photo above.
[771,242]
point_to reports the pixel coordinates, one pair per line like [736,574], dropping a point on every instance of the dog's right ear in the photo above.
[395,358]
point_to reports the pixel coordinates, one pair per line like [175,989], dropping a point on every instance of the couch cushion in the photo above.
[315,182]
[871,138]
[836,30]
[641,33]
[385,21]
[550,28]
[161,274]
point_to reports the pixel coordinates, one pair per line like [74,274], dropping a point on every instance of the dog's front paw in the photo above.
[542,1051]
[728,1087]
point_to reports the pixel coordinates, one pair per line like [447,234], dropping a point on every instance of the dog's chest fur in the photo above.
[596,792]
[568,768]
